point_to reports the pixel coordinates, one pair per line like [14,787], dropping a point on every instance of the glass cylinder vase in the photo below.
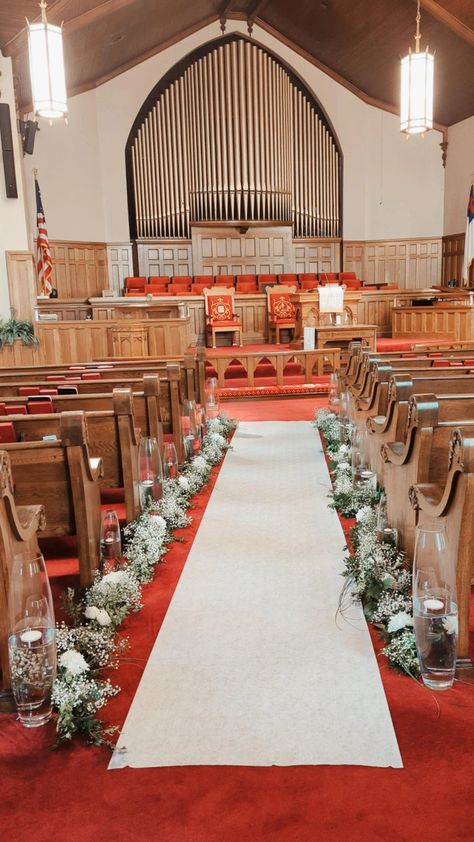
[170,460]
[435,612]
[32,640]
[189,429]
[110,541]
[150,472]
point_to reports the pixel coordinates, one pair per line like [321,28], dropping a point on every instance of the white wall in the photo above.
[393,188]
[13,233]
[459,175]
[67,157]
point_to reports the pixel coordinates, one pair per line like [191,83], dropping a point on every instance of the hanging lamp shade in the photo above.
[416,101]
[48,83]
[416,94]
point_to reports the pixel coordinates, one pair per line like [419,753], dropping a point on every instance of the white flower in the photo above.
[73,662]
[158,522]
[365,514]
[116,577]
[399,621]
[103,618]
[183,483]
[200,464]
[91,612]
[216,438]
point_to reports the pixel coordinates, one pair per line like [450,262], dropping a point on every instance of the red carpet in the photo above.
[69,795]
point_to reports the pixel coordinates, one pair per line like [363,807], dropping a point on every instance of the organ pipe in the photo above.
[234,137]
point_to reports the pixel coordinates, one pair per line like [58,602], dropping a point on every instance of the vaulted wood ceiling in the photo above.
[358,42]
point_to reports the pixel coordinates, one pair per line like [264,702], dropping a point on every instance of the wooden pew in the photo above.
[365,363]
[451,502]
[156,404]
[390,425]
[422,454]
[63,477]
[18,536]
[111,437]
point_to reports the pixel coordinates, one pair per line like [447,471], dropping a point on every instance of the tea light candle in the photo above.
[30,636]
[433,604]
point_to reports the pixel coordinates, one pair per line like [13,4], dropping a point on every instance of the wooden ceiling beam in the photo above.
[55,12]
[448,19]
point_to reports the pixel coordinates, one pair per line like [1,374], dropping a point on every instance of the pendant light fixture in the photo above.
[48,83]
[416,100]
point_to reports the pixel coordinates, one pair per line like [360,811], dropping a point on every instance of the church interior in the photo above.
[236,388]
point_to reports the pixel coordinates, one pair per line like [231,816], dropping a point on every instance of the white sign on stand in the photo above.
[309,338]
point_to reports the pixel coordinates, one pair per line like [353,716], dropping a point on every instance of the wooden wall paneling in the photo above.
[317,255]
[453,256]
[173,257]
[354,258]
[22,283]
[79,269]
[120,264]
[223,250]
[410,263]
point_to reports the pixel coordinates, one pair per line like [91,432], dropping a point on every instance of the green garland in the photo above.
[91,644]
[375,573]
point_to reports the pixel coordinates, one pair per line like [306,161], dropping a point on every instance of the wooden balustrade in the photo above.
[311,362]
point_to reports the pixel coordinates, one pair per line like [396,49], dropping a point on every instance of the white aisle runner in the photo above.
[251,666]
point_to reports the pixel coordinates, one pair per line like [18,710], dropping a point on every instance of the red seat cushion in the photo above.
[16,409]
[226,323]
[7,432]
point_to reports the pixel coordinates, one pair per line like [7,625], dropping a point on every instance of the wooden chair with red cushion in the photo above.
[206,280]
[179,289]
[350,280]
[289,279]
[224,281]
[327,278]
[157,289]
[281,310]
[159,280]
[135,285]
[308,281]
[220,314]
[246,283]
[198,289]
[268,280]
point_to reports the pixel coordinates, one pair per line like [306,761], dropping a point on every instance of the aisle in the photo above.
[250,666]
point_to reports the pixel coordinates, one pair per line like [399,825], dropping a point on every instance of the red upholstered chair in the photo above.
[281,310]
[158,280]
[220,314]
[179,289]
[198,289]
[135,285]
[205,280]
[308,280]
[327,278]
[224,281]
[157,289]
[350,280]
[246,287]
[268,280]
[287,279]
[7,432]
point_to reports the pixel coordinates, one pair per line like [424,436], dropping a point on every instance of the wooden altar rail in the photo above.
[369,306]
[309,360]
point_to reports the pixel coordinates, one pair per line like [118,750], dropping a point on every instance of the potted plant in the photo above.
[12,329]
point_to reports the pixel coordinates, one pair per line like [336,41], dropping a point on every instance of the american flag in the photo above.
[44,263]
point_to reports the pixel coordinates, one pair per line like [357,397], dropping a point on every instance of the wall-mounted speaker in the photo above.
[7,151]
[28,129]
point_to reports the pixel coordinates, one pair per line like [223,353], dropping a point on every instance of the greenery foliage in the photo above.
[12,329]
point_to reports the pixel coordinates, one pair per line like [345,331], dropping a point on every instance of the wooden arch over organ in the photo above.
[232,134]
